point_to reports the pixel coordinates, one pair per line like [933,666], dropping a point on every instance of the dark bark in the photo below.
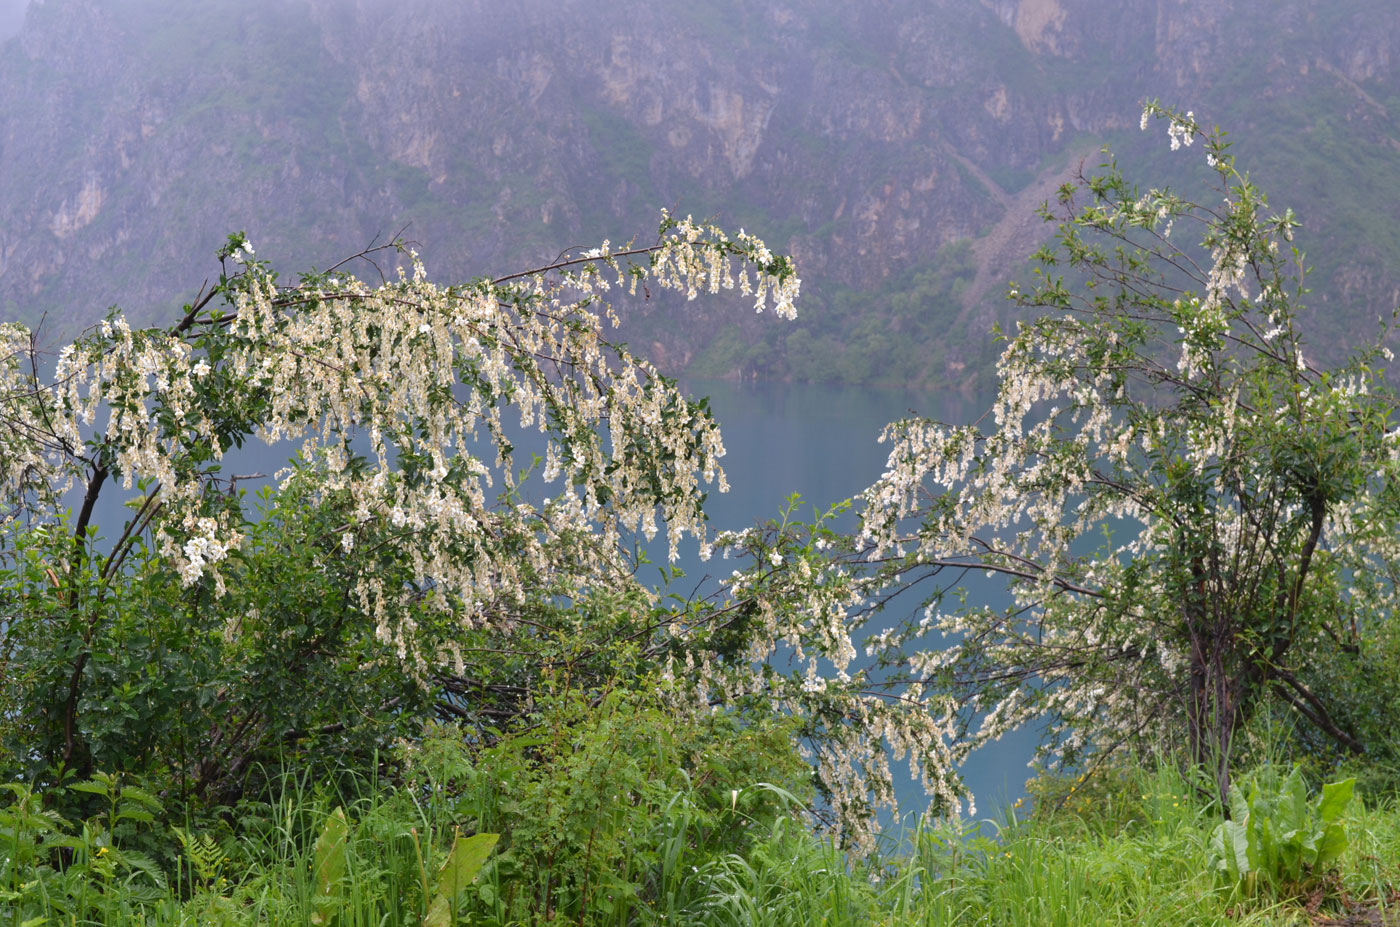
[73,748]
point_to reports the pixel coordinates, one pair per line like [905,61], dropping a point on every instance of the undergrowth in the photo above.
[594,831]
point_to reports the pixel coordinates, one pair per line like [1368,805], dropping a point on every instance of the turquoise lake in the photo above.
[820,441]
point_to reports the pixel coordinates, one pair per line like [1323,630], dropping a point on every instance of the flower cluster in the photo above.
[207,544]
[422,375]
[1162,483]
[1181,129]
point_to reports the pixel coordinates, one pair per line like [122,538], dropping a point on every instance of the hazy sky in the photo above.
[11,15]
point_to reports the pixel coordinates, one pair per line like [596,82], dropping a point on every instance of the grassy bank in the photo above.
[1121,847]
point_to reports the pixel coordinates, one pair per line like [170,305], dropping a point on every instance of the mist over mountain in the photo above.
[898,148]
[11,17]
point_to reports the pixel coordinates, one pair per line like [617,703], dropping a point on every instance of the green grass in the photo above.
[1128,847]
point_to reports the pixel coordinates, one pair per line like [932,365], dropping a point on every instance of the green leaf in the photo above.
[1335,798]
[1263,853]
[1290,857]
[140,795]
[1235,843]
[329,866]
[439,913]
[90,788]
[1220,857]
[462,866]
[1239,805]
[140,862]
[464,863]
[1330,847]
[1293,804]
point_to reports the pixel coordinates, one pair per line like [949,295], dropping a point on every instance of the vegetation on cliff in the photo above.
[897,150]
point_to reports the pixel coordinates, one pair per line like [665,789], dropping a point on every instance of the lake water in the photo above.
[820,441]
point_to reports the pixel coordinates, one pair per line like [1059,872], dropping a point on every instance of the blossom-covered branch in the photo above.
[1156,396]
[403,398]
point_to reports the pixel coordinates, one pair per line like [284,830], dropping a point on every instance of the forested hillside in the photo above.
[896,148]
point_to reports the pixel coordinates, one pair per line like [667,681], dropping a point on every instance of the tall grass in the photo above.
[1131,848]
[1125,847]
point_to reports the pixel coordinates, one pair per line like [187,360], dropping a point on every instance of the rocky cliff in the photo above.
[897,147]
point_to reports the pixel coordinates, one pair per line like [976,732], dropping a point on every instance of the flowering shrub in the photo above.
[394,569]
[1160,398]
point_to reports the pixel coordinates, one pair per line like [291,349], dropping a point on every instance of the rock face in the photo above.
[870,139]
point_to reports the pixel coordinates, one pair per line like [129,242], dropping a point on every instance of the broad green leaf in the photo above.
[1263,847]
[1293,808]
[1236,844]
[329,866]
[1330,847]
[1290,858]
[1219,858]
[1335,798]
[140,795]
[439,913]
[1307,841]
[90,788]
[464,863]
[1239,805]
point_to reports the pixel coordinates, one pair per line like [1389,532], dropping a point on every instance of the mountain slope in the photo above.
[894,146]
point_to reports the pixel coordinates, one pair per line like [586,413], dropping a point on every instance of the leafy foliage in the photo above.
[634,757]
[1191,519]
[603,806]
[1274,833]
[97,870]
[395,569]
